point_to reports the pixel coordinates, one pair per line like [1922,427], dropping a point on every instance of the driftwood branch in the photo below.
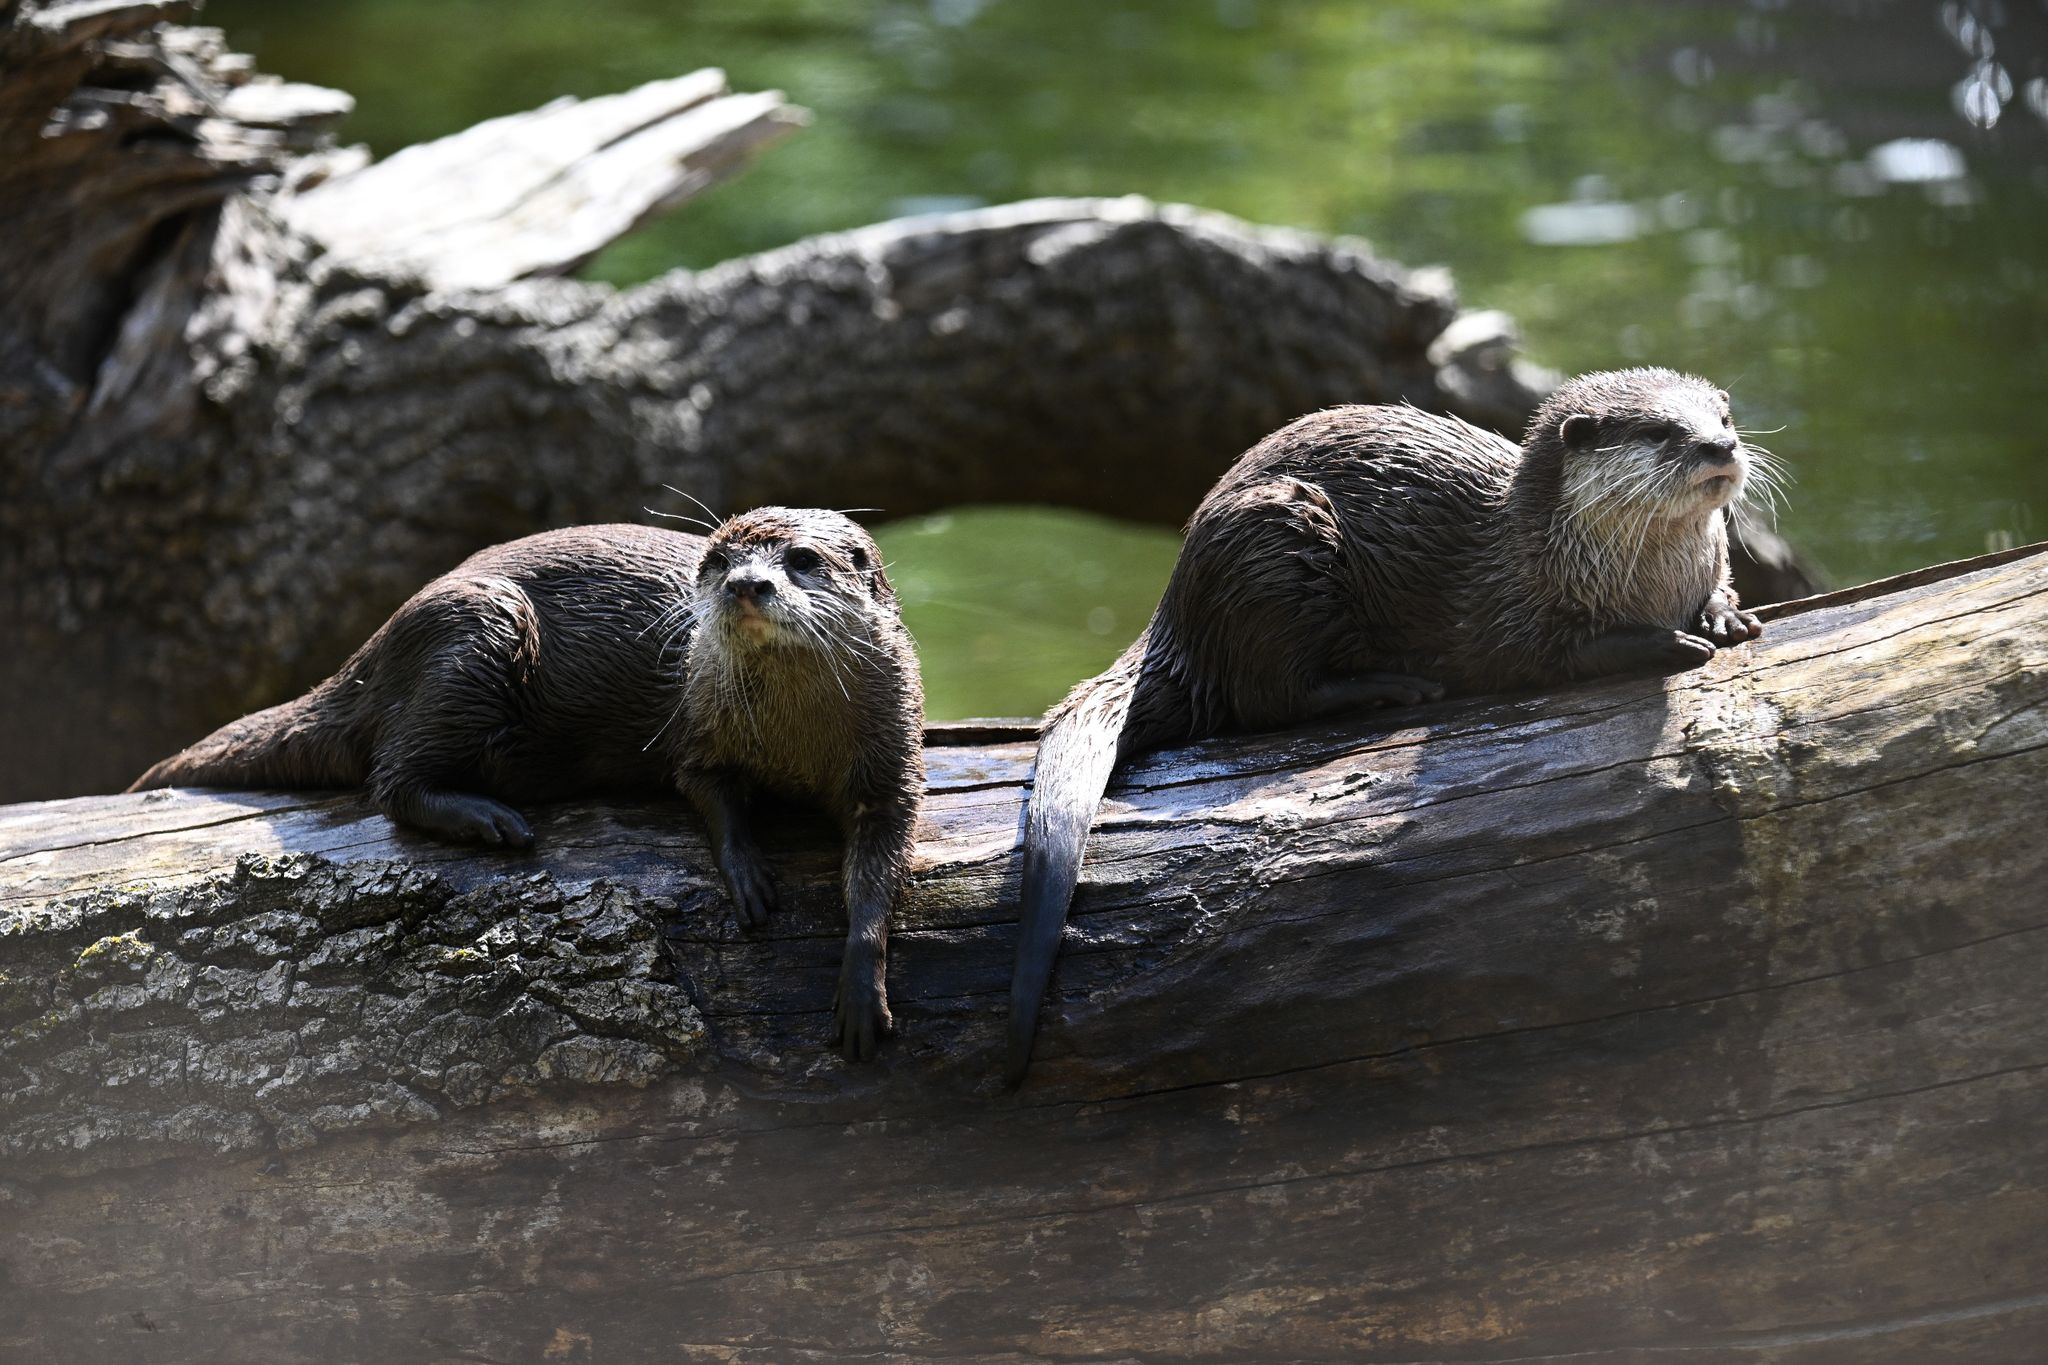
[1696,1016]
[543,192]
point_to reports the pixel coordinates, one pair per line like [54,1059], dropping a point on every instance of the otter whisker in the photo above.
[1614,495]
[1763,454]
[684,626]
[682,608]
[1635,555]
[1765,488]
[674,711]
[686,623]
[972,608]
[810,631]
[856,643]
[854,631]
[735,693]
[1772,470]
[683,517]
[1763,495]
[1629,490]
[702,505]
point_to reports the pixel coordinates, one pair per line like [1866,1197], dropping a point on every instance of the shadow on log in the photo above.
[1695,1017]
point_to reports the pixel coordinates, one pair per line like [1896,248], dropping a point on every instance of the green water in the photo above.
[1012,605]
[1691,184]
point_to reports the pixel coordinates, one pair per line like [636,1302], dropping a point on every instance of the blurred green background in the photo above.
[1838,209]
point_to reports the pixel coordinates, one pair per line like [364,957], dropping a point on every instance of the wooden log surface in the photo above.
[1692,1018]
[541,192]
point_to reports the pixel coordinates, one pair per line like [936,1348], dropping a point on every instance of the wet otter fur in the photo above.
[769,656]
[1367,556]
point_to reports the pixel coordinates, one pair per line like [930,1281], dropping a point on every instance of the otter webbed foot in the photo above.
[1362,691]
[748,883]
[860,1007]
[459,817]
[1725,625]
[1640,649]
[723,805]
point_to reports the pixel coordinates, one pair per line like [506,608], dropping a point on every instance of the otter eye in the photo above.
[1728,420]
[714,561]
[860,558]
[803,560]
[1659,431]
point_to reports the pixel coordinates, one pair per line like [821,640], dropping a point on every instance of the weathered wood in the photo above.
[540,193]
[1696,1017]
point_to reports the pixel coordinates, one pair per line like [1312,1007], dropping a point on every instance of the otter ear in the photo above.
[878,583]
[1576,431]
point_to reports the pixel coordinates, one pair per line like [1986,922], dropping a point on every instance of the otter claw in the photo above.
[752,892]
[1689,651]
[512,831]
[1727,626]
[860,1016]
[1398,689]
[1366,691]
[476,820]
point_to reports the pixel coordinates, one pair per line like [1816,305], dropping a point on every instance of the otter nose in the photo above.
[750,587]
[1720,446]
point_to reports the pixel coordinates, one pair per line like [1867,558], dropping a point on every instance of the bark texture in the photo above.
[253,393]
[1693,1018]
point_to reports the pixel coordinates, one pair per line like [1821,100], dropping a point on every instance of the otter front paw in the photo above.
[1726,626]
[751,889]
[1682,651]
[860,1010]
[1364,691]
[1640,649]
[474,820]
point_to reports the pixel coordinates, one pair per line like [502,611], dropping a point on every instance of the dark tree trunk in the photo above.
[1696,1017]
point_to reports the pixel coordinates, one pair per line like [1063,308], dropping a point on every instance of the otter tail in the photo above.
[294,744]
[1077,749]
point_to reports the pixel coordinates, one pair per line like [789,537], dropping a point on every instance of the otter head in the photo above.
[791,577]
[1636,446]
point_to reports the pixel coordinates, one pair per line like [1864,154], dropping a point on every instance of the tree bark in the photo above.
[1694,1016]
[254,393]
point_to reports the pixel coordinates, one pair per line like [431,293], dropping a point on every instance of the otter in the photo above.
[1373,556]
[769,656]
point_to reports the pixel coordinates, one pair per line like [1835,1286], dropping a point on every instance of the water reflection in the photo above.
[1980,97]
[1904,161]
[1834,209]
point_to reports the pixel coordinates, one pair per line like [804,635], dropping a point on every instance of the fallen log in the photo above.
[1695,1017]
